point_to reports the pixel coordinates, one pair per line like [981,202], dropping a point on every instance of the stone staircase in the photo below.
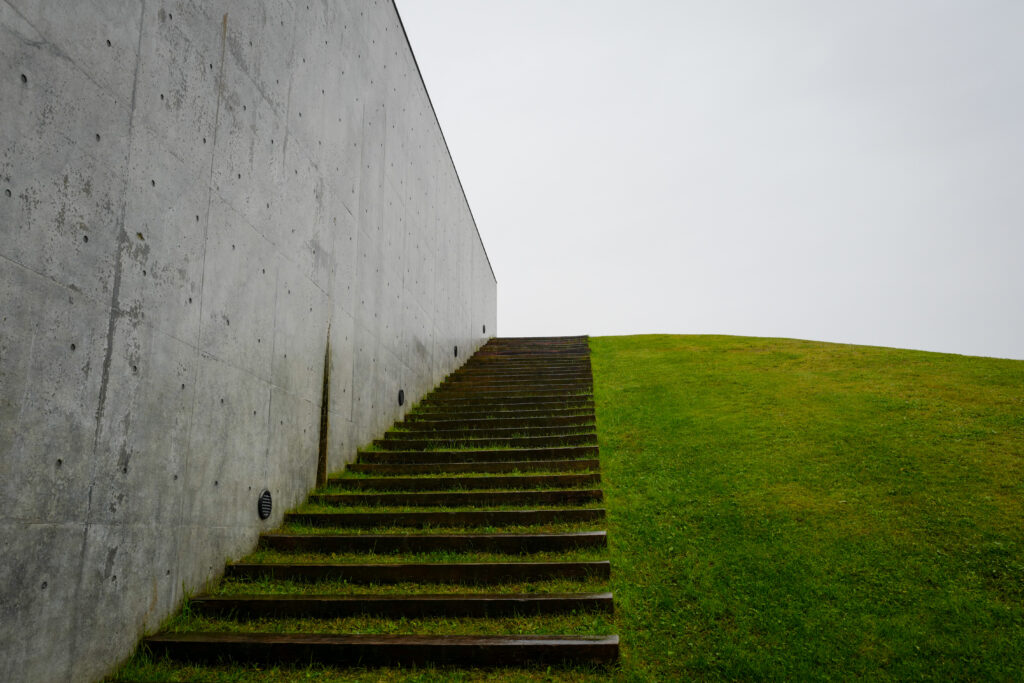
[469,536]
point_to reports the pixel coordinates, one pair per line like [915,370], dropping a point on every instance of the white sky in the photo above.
[845,171]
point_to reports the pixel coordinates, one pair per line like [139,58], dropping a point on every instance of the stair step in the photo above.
[398,606]
[383,650]
[543,381]
[421,423]
[461,498]
[501,432]
[541,481]
[489,382]
[482,573]
[424,543]
[444,518]
[397,443]
[540,391]
[504,413]
[511,403]
[481,455]
[574,465]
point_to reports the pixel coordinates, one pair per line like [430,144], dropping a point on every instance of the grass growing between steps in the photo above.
[559,528]
[266,556]
[581,623]
[796,510]
[229,587]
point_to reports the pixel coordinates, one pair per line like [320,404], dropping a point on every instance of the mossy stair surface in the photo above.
[473,528]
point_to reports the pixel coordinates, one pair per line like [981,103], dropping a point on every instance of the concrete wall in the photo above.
[191,195]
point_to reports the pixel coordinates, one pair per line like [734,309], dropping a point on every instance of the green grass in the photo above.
[781,510]
[267,556]
[582,623]
[553,528]
[796,510]
[235,586]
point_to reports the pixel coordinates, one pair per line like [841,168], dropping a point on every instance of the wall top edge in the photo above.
[419,72]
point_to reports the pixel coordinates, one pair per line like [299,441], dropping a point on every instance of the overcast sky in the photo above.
[842,171]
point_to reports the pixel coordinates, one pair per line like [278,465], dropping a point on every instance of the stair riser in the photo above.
[468,483]
[385,653]
[425,425]
[512,454]
[538,365]
[509,545]
[397,444]
[481,574]
[402,607]
[527,416]
[499,432]
[457,499]
[581,465]
[540,401]
[515,381]
[420,520]
[483,409]
[502,381]
[539,396]
[539,358]
[527,391]
[509,410]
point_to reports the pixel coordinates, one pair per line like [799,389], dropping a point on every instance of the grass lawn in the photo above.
[793,510]
[797,510]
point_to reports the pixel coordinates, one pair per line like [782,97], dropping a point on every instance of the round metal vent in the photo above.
[265,504]
[401,397]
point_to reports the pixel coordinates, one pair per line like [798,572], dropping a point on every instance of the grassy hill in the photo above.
[794,510]
[801,510]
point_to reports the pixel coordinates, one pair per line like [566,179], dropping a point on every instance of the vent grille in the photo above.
[265,505]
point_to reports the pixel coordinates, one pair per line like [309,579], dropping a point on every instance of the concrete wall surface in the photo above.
[192,193]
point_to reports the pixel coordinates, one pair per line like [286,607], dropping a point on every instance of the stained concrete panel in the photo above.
[228,444]
[40,579]
[62,166]
[51,371]
[185,212]
[301,318]
[239,289]
[162,247]
[291,458]
[135,559]
[143,443]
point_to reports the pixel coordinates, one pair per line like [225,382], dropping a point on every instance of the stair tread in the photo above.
[575,464]
[457,498]
[466,518]
[541,482]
